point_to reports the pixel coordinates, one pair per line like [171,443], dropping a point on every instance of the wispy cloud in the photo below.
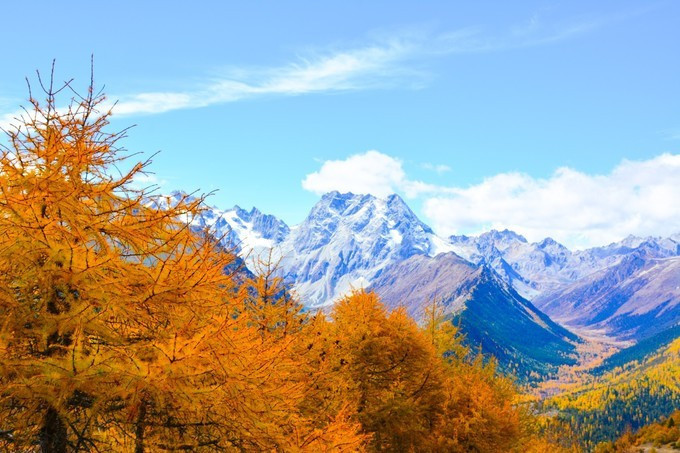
[383,63]
[367,67]
[671,134]
[437,168]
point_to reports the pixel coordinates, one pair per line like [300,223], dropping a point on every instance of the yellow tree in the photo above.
[315,414]
[394,370]
[418,389]
[120,328]
[99,280]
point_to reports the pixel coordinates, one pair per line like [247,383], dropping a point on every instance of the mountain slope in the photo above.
[489,312]
[630,396]
[632,300]
[640,351]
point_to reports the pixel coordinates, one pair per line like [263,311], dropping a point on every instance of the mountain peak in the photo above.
[550,243]
[504,235]
[341,203]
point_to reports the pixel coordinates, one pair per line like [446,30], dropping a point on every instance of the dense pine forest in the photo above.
[663,434]
[623,400]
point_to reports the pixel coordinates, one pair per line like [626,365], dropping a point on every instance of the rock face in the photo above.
[489,312]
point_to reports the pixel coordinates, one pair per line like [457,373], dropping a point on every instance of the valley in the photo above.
[591,353]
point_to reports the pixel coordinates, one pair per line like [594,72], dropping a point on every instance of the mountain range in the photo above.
[519,300]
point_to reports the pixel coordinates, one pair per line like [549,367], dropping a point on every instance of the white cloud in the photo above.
[577,209]
[371,172]
[437,168]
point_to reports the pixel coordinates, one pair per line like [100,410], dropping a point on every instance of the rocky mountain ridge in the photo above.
[347,241]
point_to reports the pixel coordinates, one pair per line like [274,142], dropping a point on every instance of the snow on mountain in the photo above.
[529,267]
[251,233]
[543,267]
[632,300]
[347,240]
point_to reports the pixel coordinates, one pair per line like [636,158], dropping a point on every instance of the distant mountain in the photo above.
[489,312]
[539,267]
[632,300]
[629,289]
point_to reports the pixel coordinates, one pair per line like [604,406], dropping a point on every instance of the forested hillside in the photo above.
[626,398]
[663,434]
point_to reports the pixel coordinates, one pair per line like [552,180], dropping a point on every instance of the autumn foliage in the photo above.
[123,328]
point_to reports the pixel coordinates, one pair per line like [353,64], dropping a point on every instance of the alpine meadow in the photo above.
[340,227]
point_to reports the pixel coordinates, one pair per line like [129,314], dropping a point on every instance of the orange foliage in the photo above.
[121,328]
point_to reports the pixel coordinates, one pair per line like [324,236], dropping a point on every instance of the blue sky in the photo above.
[269,101]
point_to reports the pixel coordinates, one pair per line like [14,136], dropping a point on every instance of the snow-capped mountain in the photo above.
[347,241]
[540,268]
[632,300]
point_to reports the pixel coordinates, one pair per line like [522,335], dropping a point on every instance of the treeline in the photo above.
[665,433]
[122,331]
[624,399]
[637,353]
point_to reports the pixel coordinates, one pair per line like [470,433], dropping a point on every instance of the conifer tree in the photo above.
[120,328]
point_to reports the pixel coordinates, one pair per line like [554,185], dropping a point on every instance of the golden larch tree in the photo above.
[121,329]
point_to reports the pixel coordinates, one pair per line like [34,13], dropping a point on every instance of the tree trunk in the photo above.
[53,433]
[139,428]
